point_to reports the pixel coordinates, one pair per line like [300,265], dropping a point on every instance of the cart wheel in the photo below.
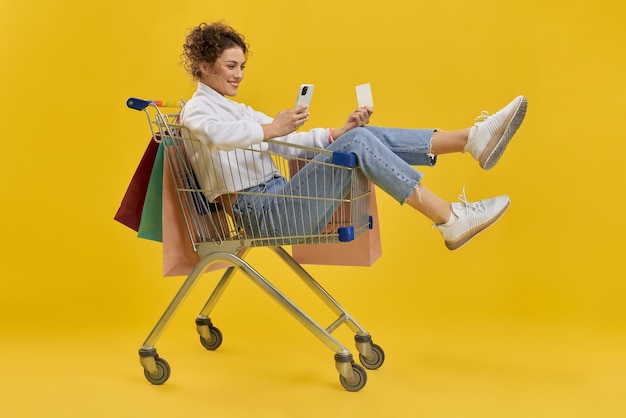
[216,339]
[162,374]
[359,381]
[377,361]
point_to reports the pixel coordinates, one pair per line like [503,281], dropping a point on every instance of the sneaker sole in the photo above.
[464,239]
[496,147]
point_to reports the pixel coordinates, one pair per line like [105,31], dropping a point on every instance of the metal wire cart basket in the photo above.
[220,232]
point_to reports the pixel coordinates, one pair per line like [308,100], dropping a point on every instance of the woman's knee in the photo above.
[357,136]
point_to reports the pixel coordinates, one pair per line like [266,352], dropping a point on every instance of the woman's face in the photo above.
[226,73]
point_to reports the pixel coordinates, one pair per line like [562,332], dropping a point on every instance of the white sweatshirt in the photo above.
[226,128]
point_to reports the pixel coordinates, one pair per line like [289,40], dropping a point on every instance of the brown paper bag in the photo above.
[179,257]
[363,251]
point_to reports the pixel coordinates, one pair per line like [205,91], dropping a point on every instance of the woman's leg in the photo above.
[385,156]
[430,205]
[305,204]
[448,142]
[301,207]
[486,140]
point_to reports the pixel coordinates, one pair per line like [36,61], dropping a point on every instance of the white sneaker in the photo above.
[471,219]
[489,137]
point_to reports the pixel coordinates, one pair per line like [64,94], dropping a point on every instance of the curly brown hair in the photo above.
[206,42]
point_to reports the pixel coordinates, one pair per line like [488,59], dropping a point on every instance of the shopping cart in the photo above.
[221,232]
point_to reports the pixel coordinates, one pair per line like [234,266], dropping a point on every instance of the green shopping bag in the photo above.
[151,225]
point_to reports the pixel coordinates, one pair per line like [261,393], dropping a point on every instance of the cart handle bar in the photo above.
[137,104]
[140,104]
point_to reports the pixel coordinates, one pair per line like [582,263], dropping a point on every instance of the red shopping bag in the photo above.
[131,207]
[179,257]
[363,251]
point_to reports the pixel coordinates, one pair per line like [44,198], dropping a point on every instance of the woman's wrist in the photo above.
[268,131]
[336,133]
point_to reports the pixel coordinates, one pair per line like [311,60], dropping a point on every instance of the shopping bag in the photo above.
[179,256]
[129,212]
[363,251]
[150,226]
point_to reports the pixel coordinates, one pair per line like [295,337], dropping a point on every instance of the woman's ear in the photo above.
[207,68]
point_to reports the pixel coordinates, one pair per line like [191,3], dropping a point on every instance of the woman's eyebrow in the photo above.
[233,62]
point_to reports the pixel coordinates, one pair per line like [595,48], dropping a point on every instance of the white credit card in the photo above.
[364,95]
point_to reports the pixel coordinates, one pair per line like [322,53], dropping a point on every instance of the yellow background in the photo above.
[526,321]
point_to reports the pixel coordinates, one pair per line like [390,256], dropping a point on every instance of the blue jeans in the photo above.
[385,156]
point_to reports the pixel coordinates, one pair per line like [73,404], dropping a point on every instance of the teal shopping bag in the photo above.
[151,225]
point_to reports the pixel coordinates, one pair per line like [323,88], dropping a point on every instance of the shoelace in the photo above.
[475,208]
[482,117]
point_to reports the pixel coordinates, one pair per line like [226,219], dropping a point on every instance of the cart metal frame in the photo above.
[218,236]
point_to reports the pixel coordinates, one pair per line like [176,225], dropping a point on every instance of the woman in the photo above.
[215,54]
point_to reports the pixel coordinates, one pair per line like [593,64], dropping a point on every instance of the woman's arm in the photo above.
[220,131]
[285,122]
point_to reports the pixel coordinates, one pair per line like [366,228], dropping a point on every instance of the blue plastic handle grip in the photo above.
[137,104]
[344,159]
[346,233]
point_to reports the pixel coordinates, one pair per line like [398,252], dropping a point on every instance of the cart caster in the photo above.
[375,360]
[156,369]
[210,336]
[162,372]
[371,355]
[357,382]
[214,342]
[351,376]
